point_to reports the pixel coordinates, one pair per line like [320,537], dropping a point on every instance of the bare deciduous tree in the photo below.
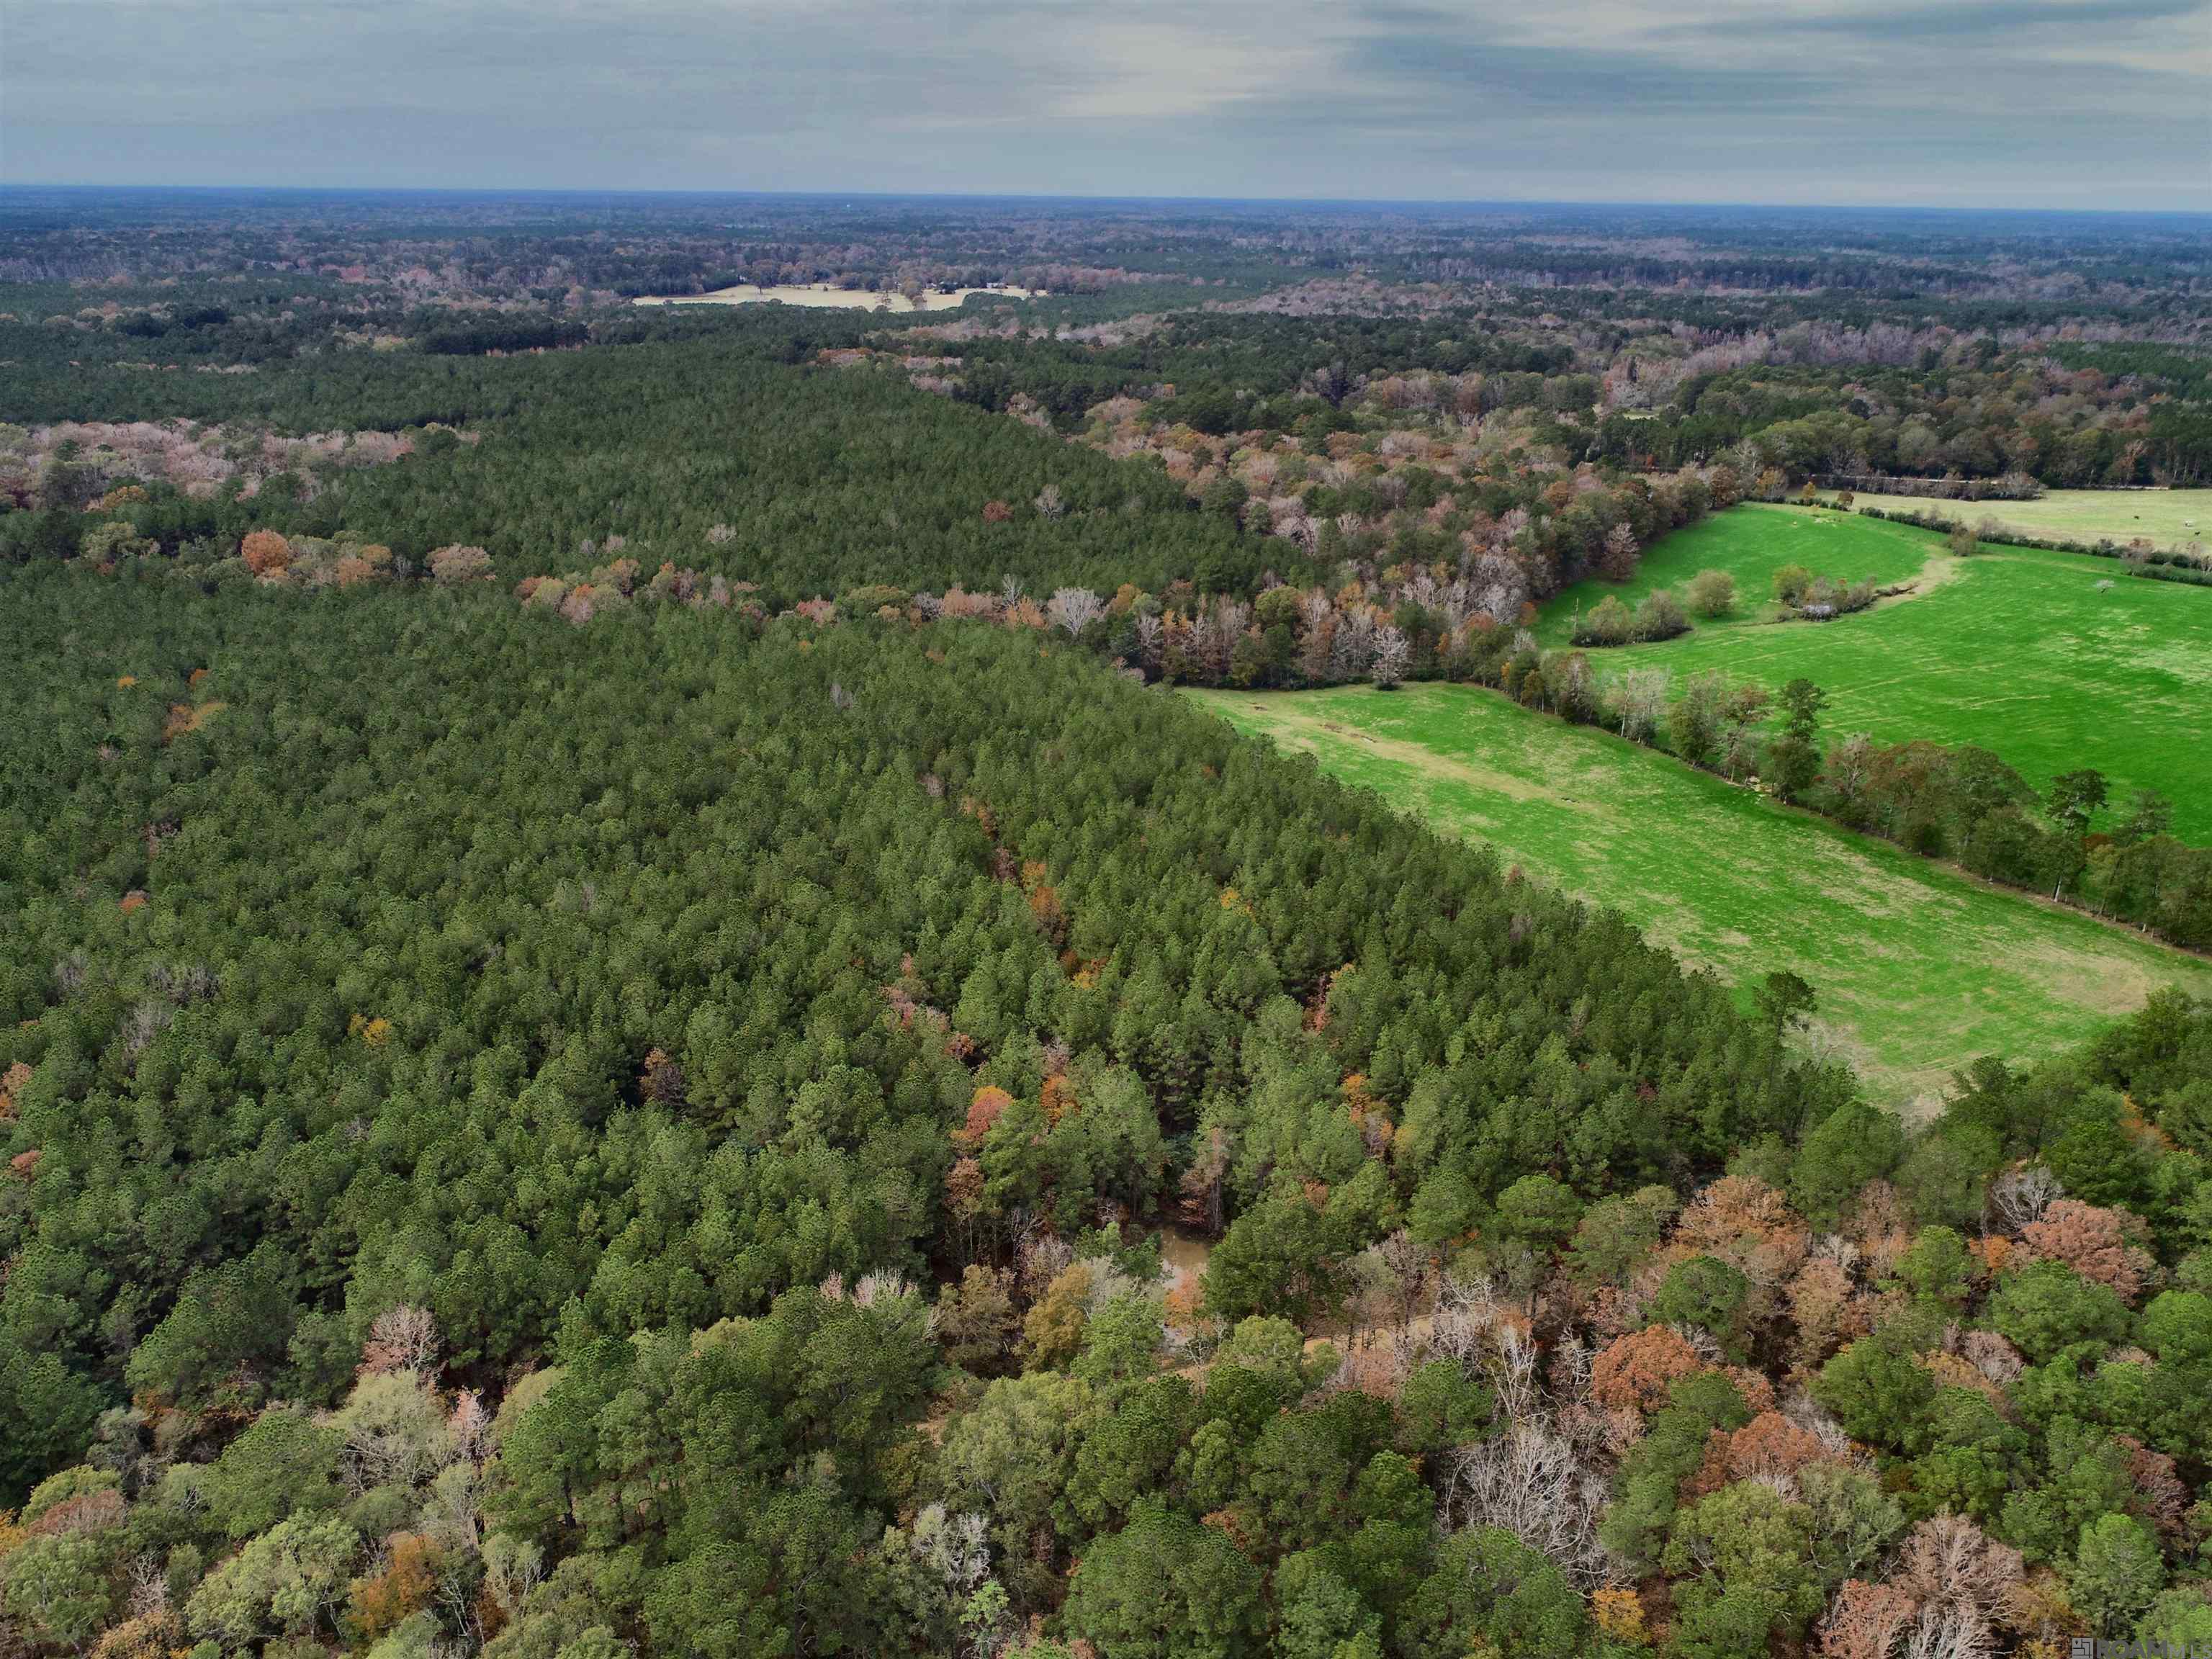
[403,1339]
[1638,701]
[1532,1478]
[1074,609]
[1391,656]
[2019,1197]
[1149,636]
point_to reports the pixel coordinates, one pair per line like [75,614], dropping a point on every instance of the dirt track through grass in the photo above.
[1918,969]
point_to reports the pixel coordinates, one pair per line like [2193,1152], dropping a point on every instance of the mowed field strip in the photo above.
[2050,660]
[2169,518]
[1918,969]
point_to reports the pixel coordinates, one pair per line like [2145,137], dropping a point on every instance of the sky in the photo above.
[2031,103]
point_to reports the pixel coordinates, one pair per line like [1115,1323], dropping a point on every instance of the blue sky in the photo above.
[2061,103]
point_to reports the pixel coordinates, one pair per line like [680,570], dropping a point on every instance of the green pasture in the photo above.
[2052,661]
[2169,518]
[1751,543]
[1918,969]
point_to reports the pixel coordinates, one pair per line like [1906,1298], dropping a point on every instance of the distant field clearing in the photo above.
[2168,518]
[1918,969]
[847,298]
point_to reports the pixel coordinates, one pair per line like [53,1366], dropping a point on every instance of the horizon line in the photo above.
[1373,202]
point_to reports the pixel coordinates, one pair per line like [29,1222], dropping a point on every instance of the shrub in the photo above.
[1661,616]
[1711,593]
[1609,623]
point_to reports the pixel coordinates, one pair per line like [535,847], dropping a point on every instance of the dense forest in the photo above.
[829,1111]
[639,979]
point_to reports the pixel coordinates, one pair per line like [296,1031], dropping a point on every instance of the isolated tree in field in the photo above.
[1607,622]
[1711,593]
[1660,617]
[1962,540]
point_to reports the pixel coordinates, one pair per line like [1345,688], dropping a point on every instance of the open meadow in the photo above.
[1917,968]
[1752,543]
[830,296]
[2052,661]
[2169,518]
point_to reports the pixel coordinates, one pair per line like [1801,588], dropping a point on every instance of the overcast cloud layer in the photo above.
[2054,103]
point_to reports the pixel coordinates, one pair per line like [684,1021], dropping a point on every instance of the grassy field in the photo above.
[1918,970]
[1751,543]
[2170,518]
[2050,660]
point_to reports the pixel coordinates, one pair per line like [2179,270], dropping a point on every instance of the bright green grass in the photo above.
[2018,651]
[1751,543]
[1918,970]
[2170,518]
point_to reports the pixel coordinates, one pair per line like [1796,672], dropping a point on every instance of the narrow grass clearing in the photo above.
[1918,970]
[2050,660]
[2170,518]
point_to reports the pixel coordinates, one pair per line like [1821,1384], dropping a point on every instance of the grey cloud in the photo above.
[1988,23]
[2062,104]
